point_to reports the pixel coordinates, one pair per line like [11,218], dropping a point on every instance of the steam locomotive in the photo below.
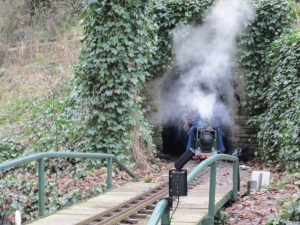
[173,140]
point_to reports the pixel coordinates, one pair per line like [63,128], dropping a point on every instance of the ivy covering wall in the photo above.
[268,57]
[279,132]
[167,15]
[273,18]
[120,40]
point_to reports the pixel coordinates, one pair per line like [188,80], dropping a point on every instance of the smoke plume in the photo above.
[205,55]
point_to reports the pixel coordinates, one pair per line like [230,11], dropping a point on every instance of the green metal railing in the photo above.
[40,157]
[162,209]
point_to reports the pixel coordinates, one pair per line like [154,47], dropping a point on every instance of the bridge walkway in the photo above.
[191,209]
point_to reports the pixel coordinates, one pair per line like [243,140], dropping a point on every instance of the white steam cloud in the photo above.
[206,54]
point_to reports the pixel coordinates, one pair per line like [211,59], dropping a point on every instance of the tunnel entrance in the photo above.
[173,139]
[172,136]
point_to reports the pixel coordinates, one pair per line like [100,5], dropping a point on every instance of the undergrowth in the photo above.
[289,212]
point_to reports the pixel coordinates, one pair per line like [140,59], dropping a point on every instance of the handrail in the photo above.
[162,210]
[41,168]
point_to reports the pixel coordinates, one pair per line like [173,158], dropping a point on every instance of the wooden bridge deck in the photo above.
[84,210]
[191,208]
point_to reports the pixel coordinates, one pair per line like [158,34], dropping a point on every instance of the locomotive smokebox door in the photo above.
[178,182]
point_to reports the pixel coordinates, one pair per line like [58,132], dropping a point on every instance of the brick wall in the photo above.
[244,133]
[154,116]
[241,132]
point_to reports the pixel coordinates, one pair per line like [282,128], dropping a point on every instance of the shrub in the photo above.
[279,124]
[273,18]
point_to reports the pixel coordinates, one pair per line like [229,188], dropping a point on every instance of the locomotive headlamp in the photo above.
[206,140]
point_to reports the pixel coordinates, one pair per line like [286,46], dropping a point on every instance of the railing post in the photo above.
[209,220]
[165,218]
[109,173]
[41,174]
[235,180]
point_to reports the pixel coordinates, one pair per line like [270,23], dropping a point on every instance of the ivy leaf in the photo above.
[91,131]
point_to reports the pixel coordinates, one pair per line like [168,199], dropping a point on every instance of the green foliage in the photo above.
[19,191]
[273,18]
[147,179]
[221,217]
[168,15]
[279,125]
[52,126]
[290,212]
[10,148]
[271,71]
[289,178]
[120,40]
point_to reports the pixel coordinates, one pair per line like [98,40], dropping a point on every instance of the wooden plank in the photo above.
[94,206]
[110,198]
[90,205]
[87,211]
[191,208]
[61,219]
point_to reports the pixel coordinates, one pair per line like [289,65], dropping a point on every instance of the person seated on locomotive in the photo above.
[199,124]
[188,118]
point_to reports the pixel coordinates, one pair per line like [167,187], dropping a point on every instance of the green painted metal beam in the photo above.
[41,168]
[162,204]
[41,190]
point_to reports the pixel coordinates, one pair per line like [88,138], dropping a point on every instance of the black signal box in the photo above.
[178,182]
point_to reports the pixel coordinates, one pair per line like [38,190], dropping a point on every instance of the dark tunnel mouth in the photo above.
[174,143]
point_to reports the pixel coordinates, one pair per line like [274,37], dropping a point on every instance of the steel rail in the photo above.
[124,204]
[143,203]
[132,206]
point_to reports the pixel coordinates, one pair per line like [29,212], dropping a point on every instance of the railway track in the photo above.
[135,210]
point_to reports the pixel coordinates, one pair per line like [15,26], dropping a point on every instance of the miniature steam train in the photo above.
[206,143]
